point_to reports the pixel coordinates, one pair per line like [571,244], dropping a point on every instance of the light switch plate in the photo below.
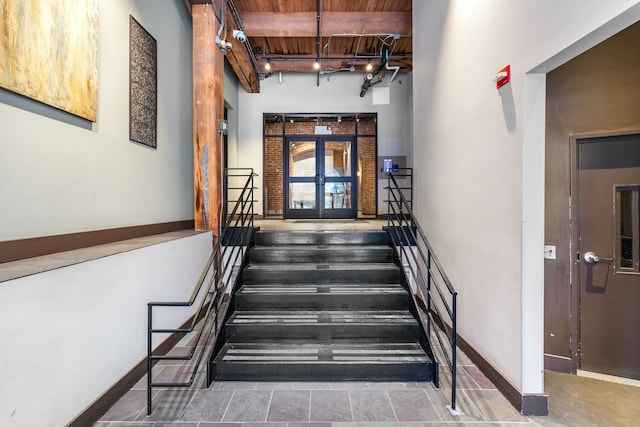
[549,252]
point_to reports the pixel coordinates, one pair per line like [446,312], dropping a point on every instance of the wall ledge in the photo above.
[40,264]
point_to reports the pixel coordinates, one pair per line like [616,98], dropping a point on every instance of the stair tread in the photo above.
[325,266]
[323,247]
[322,317]
[322,353]
[320,289]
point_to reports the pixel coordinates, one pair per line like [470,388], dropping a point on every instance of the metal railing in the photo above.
[431,282]
[209,290]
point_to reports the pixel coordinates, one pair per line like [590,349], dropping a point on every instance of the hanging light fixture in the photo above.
[369,66]
[316,65]
[268,65]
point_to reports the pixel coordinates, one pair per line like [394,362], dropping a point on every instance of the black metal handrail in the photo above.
[431,281]
[217,272]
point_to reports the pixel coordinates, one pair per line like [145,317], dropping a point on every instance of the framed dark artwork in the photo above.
[143,85]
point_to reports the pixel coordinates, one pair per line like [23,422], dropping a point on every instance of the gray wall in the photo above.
[58,178]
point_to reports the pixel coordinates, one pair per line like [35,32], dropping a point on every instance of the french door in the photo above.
[320,177]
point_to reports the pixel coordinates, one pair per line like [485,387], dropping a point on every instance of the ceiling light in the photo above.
[316,65]
[268,65]
[369,66]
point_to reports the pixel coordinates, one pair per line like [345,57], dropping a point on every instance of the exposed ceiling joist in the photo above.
[303,24]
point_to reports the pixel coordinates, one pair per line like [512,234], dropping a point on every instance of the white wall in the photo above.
[479,155]
[70,334]
[57,178]
[341,94]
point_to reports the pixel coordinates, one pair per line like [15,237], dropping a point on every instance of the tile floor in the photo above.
[574,401]
[326,404]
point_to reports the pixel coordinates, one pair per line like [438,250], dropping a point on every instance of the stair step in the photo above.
[382,326]
[321,254]
[326,362]
[270,238]
[327,272]
[336,296]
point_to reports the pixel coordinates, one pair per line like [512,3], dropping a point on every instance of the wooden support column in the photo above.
[208,108]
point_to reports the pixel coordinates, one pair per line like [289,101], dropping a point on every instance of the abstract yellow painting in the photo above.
[49,52]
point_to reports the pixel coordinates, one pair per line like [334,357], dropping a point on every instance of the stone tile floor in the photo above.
[573,401]
[313,404]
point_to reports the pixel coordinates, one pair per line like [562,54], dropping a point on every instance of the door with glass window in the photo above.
[319,177]
[608,254]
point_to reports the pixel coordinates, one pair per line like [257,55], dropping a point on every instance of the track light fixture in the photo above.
[316,65]
[268,65]
[369,66]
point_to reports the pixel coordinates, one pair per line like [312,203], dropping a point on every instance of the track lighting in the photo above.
[316,65]
[369,66]
[268,65]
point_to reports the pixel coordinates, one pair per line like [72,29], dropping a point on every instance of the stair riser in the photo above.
[320,238]
[322,276]
[226,371]
[322,302]
[320,255]
[324,332]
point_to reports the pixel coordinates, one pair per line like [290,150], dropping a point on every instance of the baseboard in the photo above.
[525,403]
[14,250]
[557,363]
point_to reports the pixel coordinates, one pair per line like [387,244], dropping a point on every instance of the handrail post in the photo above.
[428,292]
[149,350]
[388,201]
[454,351]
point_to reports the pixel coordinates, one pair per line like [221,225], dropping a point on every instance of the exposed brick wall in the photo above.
[368,174]
[274,158]
[367,126]
[273,175]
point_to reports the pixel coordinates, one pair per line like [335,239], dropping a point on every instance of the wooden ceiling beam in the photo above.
[240,61]
[306,66]
[303,24]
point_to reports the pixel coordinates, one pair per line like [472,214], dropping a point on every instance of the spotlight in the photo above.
[369,66]
[316,65]
[268,65]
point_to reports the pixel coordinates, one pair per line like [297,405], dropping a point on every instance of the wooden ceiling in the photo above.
[343,35]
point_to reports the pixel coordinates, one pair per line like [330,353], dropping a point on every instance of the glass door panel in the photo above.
[337,195]
[301,173]
[339,166]
[302,195]
[302,158]
[320,177]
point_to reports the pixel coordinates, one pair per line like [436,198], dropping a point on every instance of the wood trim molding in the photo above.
[14,250]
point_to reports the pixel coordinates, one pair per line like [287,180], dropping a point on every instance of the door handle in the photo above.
[592,258]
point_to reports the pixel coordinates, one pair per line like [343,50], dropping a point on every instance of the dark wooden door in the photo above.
[609,247]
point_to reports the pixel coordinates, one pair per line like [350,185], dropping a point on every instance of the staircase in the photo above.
[322,306]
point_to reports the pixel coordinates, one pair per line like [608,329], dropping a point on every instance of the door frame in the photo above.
[574,242]
[351,213]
